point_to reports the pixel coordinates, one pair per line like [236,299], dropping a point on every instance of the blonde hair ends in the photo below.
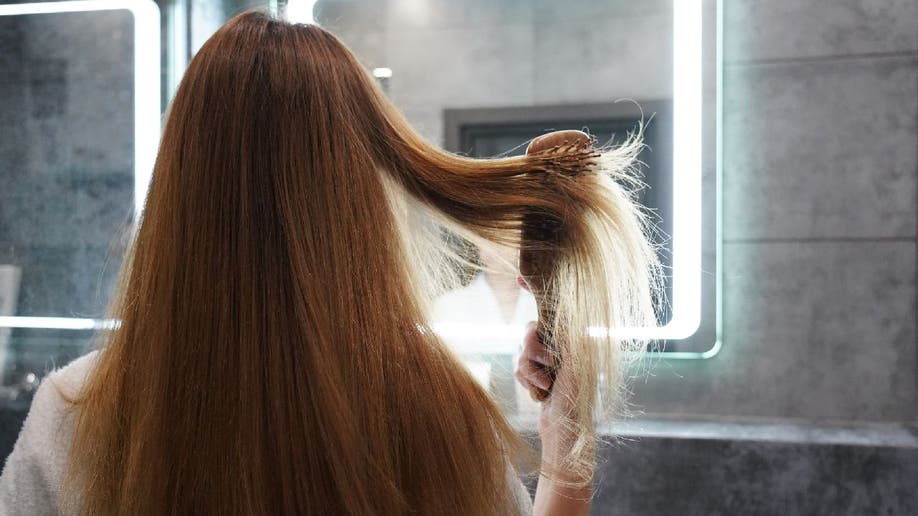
[274,355]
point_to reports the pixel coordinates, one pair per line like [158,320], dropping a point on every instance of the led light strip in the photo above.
[57,323]
[687,129]
[146,117]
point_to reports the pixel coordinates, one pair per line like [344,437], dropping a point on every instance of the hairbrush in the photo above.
[540,239]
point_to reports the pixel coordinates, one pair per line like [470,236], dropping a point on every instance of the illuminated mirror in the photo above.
[80,103]
[484,77]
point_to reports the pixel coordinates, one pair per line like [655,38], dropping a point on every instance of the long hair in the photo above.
[274,354]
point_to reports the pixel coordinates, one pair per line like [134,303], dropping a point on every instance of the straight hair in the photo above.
[274,354]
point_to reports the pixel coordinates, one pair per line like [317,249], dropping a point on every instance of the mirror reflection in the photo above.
[67,169]
[478,78]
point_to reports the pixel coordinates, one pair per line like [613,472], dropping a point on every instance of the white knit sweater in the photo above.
[31,481]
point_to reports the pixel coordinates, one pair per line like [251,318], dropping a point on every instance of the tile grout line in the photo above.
[820,59]
[817,240]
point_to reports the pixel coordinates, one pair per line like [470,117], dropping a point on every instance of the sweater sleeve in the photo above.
[31,480]
[524,500]
[25,486]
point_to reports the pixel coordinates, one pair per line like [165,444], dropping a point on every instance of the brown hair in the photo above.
[273,355]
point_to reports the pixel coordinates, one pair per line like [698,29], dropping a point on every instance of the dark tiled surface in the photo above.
[663,476]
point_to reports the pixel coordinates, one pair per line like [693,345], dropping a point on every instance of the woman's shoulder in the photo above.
[53,398]
[51,411]
[69,379]
[32,475]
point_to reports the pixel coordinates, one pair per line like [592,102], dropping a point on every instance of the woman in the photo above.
[273,354]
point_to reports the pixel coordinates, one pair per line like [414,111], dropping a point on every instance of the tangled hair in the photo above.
[274,354]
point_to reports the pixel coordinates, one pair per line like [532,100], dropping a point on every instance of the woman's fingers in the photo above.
[537,393]
[539,355]
[534,364]
[531,373]
[523,284]
[533,348]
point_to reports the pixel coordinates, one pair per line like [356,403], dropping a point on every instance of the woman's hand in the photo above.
[532,371]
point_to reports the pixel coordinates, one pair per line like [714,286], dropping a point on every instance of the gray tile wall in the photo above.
[819,183]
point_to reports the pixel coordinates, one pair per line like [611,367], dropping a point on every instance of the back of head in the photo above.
[273,355]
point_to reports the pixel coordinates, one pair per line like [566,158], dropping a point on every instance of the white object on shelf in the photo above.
[9,294]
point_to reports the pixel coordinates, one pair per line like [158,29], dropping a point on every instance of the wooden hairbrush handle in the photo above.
[536,265]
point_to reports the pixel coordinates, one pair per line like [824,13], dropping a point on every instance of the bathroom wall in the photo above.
[819,198]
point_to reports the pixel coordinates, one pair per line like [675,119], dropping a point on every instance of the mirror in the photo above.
[484,77]
[79,98]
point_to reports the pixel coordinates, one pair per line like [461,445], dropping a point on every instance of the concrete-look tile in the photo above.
[827,329]
[352,16]
[369,47]
[654,476]
[813,330]
[462,68]
[360,24]
[550,11]
[428,122]
[70,208]
[756,29]
[11,42]
[80,90]
[604,59]
[63,281]
[90,39]
[821,149]
[449,14]
[13,155]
